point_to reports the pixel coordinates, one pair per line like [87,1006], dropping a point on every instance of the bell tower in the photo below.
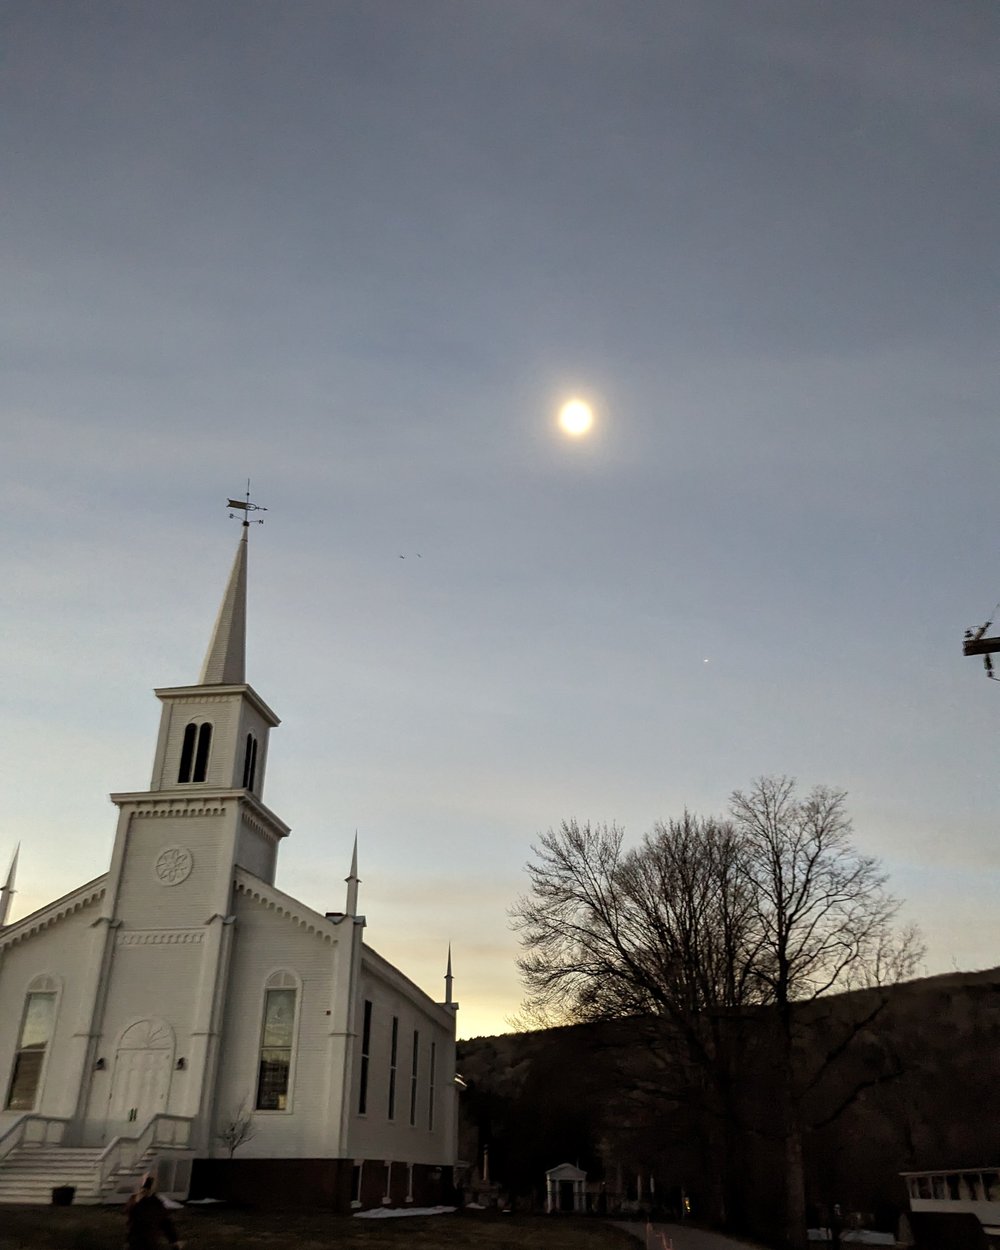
[167,918]
[213,736]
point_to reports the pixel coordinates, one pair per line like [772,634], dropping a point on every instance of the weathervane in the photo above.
[246,507]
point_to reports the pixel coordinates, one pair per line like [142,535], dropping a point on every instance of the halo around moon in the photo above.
[576,418]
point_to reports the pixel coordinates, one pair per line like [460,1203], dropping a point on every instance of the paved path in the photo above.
[681,1237]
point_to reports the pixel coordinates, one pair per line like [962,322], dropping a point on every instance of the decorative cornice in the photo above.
[284,905]
[193,808]
[265,828]
[161,937]
[267,818]
[200,698]
[211,693]
[202,800]
[54,912]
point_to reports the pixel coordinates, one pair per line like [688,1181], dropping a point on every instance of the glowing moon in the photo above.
[575,418]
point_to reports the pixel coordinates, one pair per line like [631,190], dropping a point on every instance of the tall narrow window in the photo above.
[274,1073]
[393,1048]
[29,1058]
[413,1077]
[430,1088]
[201,755]
[187,752]
[366,1046]
[194,752]
[250,763]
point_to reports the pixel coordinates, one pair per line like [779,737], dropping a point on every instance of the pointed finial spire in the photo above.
[225,660]
[7,892]
[448,979]
[353,881]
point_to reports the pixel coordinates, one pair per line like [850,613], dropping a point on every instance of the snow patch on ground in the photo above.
[395,1213]
[863,1236]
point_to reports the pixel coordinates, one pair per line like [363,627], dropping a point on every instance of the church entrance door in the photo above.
[140,1081]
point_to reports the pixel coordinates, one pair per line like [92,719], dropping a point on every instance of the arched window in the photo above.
[194,752]
[277,1035]
[250,763]
[33,1043]
[201,755]
[187,752]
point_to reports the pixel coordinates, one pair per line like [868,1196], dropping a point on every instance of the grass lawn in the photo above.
[103,1228]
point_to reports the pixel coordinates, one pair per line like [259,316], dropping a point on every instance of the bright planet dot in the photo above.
[576,417]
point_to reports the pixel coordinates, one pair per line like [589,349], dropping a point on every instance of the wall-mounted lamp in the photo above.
[181,1064]
[100,1065]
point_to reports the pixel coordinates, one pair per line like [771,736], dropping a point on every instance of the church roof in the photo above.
[53,912]
[292,909]
[225,660]
[379,966]
[566,1172]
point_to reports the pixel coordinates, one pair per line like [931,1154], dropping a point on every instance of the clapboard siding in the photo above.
[61,951]
[144,902]
[255,853]
[266,941]
[223,713]
[373,1135]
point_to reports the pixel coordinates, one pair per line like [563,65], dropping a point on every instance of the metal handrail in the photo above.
[20,1134]
[117,1155]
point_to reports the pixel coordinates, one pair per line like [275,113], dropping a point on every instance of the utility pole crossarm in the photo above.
[980,646]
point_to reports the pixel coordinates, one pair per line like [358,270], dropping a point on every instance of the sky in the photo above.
[359,252]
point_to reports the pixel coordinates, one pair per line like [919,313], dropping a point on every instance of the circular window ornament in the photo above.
[173,865]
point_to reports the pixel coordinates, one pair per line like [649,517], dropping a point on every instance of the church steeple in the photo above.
[213,739]
[225,660]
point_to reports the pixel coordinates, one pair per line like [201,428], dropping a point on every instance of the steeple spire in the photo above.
[448,979]
[7,891]
[225,660]
[353,881]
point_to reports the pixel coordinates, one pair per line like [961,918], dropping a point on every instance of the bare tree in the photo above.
[705,920]
[238,1129]
[665,929]
[826,922]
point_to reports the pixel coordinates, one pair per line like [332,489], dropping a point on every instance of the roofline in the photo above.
[446,1012]
[298,911]
[952,1171]
[54,911]
[198,792]
[181,692]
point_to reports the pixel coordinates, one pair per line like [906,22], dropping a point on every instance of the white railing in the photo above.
[168,1132]
[33,1130]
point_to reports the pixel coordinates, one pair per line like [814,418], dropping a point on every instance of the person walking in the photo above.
[147,1219]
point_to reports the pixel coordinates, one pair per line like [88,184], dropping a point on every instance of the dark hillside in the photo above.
[914,1084]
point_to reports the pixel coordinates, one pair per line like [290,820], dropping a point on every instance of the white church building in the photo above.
[181,999]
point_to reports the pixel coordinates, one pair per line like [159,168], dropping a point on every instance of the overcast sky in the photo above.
[360,252]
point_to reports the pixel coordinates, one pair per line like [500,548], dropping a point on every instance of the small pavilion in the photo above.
[565,1189]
